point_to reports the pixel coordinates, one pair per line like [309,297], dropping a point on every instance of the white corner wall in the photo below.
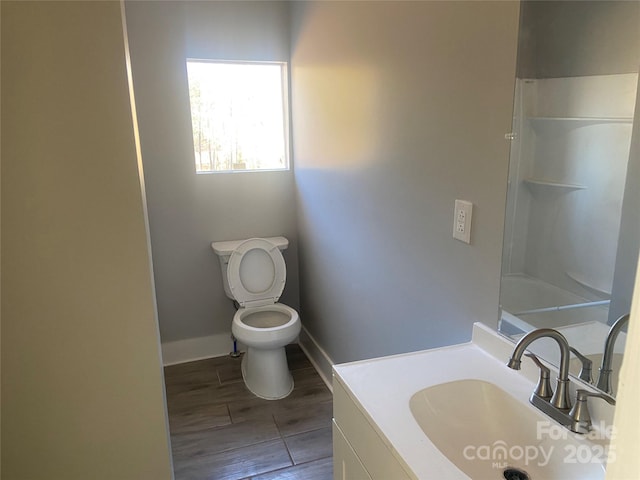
[629,245]
[82,386]
[626,420]
[399,108]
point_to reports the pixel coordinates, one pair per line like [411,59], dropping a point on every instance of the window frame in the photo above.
[284,87]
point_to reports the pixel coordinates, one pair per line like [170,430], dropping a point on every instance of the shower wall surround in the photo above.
[567,180]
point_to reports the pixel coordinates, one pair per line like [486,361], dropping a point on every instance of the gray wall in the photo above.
[82,385]
[399,109]
[575,38]
[188,211]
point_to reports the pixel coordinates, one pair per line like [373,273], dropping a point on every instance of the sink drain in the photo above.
[515,474]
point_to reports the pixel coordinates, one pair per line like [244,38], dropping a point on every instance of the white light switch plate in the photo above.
[462,221]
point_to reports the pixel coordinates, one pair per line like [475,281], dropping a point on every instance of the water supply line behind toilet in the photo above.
[235,353]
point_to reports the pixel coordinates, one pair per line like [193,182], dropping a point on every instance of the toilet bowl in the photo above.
[265,331]
[254,274]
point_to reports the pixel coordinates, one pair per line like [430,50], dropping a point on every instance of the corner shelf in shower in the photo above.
[537,185]
[606,293]
[542,122]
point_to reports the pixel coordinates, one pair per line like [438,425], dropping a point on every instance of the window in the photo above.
[239,116]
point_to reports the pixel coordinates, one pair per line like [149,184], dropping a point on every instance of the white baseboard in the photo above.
[192,349]
[317,356]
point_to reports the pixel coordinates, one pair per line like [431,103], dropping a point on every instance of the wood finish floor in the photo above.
[221,431]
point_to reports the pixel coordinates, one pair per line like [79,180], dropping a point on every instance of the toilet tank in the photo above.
[225,249]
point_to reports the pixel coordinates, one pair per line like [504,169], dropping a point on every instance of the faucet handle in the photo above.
[543,389]
[585,371]
[580,416]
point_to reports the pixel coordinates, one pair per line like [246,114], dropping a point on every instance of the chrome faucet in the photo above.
[557,404]
[604,378]
[560,399]
[580,416]
[587,365]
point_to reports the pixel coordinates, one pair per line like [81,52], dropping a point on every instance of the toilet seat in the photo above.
[253,327]
[257,273]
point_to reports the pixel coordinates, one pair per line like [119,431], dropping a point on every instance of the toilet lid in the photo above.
[256,273]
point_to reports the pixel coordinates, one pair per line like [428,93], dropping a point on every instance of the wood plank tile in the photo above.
[190,380]
[308,446]
[184,399]
[235,464]
[307,418]
[197,366]
[232,392]
[198,417]
[230,372]
[214,440]
[296,357]
[300,397]
[306,376]
[204,396]
[317,470]
[181,400]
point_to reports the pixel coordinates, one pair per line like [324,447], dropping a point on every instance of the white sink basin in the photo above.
[483,430]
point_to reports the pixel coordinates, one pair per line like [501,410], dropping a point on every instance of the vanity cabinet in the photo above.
[359,451]
[346,464]
[405,417]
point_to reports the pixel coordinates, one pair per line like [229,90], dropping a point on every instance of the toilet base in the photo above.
[266,373]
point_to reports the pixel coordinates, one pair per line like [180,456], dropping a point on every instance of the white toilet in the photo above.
[254,275]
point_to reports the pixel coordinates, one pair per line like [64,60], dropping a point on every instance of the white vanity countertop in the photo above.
[382,389]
